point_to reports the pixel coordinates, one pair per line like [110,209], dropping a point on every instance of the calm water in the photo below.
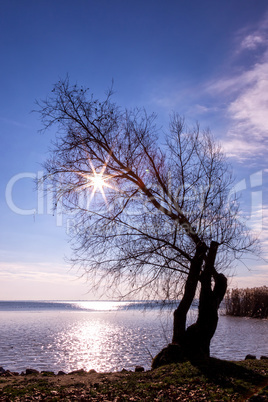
[106,336]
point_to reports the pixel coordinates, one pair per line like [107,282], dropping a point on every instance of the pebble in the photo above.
[250,357]
[139,369]
[31,371]
[61,373]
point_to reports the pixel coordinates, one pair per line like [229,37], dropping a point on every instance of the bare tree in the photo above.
[149,217]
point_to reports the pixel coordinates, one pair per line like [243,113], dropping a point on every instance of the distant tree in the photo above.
[161,220]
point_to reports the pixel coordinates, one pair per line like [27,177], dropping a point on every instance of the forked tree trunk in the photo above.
[180,314]
[194,342]
[198,336]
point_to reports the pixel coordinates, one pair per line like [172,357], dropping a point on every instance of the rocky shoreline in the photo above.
[138,369]
[29,371]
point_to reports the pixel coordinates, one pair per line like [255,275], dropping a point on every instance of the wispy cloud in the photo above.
[250,106]
[235,103]
[246,98]
[38,282]
[13,122]
[252,41]
[252,38]
[237,146]
[249,280]
[34,271]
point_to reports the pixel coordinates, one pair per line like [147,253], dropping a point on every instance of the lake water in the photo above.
[107,336]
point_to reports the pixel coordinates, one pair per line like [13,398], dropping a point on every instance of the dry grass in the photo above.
[214,380]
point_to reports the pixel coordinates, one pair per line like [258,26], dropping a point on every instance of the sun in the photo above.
[98,181]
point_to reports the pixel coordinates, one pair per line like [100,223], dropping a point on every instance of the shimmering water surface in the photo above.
[106,336]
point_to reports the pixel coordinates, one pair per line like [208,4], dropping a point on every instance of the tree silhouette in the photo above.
[160,220]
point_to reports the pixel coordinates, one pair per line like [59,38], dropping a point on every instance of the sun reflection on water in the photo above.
[108,340]
[100,305]
[103,342]
[84,345]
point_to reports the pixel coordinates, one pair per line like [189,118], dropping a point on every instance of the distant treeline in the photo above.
[247,302]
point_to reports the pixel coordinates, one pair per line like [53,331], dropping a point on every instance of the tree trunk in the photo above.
[194,343]
[180,314]
[199,335]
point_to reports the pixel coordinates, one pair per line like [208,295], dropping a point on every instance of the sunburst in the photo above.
[96,181]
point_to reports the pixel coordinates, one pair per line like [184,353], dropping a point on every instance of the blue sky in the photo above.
[207,60]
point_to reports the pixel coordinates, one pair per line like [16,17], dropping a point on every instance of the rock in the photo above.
[47,373]
[92,371]
[31,371]
[264,357]
[81,371]
[171,354]
[250,357]
[2,371]
[139,369]
[124,371]
[8,374]
[61,373]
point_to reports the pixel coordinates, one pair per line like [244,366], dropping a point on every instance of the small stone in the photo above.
[61,373]
[47,373]
[81,371]
[264,357]
[8,374]
[139,369]
[250,357]
[31,371]
[92,371]
[124,370]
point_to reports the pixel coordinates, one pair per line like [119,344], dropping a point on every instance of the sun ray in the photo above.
[96,181]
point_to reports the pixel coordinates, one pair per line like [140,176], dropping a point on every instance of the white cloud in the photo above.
[249,94]
[247,108]
[238,147]
[251,106]
[252,41]
[34,271]
[237,103]
[252,279]
[245,96]
[225,86]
